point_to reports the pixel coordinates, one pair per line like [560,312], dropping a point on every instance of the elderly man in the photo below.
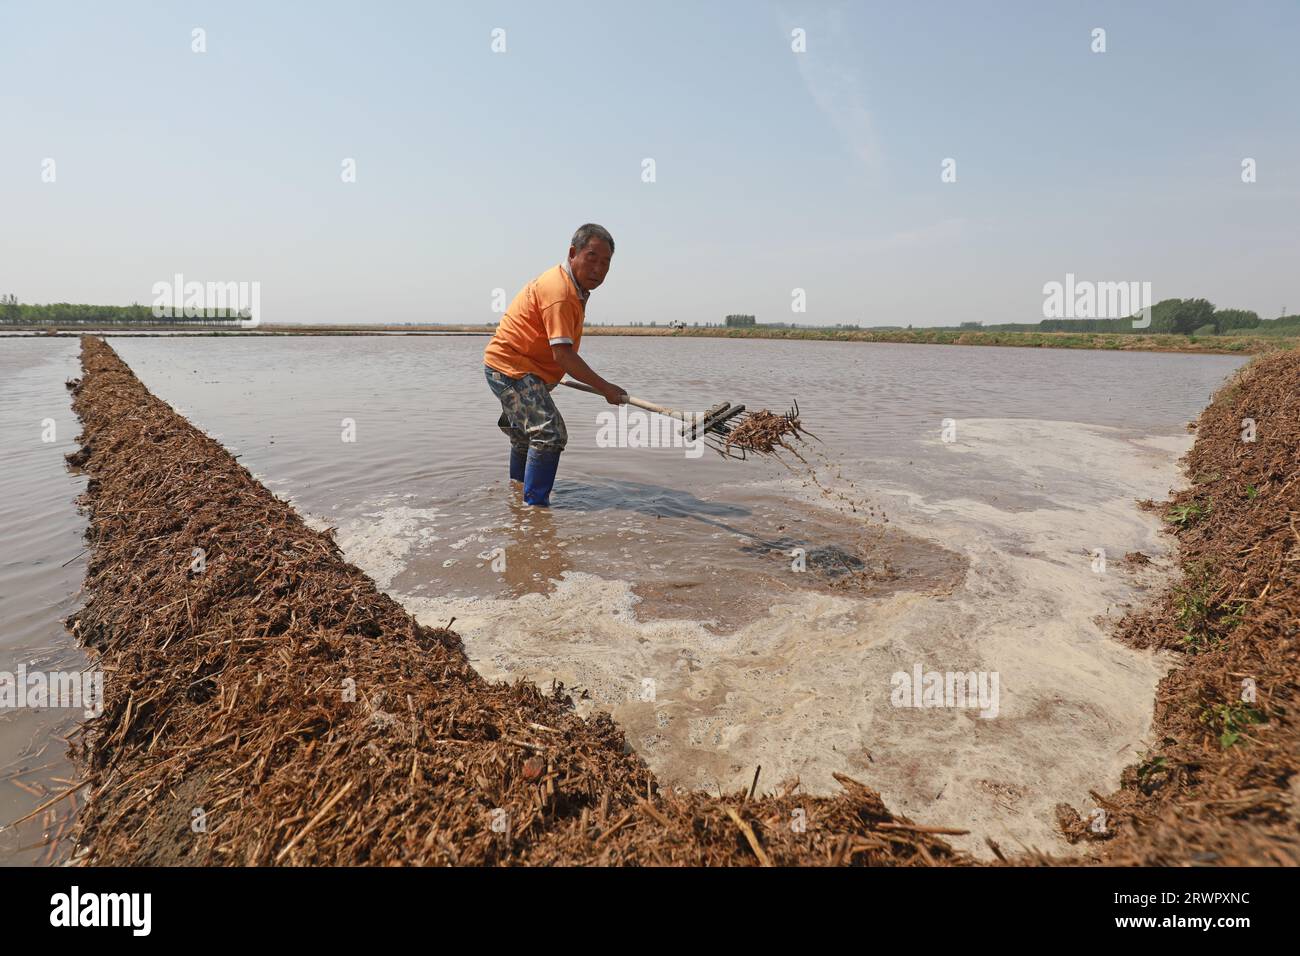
[534,345]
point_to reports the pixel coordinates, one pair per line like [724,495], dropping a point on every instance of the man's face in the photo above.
[591,264]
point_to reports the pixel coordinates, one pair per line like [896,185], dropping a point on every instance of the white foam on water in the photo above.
[378,542]
[805,689]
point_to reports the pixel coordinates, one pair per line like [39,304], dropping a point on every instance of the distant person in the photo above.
[535,343]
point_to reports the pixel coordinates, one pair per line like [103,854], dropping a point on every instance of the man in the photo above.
[535,343]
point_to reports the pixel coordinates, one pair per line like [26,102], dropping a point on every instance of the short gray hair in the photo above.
[589,231]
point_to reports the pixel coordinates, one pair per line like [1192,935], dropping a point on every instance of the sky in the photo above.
[797,152]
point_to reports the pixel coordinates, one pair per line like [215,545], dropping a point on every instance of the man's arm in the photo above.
[571,362]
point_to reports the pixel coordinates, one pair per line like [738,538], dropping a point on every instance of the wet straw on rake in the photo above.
[727,428]
[760,433]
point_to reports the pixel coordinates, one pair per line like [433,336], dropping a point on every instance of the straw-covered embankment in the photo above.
[1219,786]
[266,704]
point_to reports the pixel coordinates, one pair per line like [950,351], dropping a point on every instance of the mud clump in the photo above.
[258,681]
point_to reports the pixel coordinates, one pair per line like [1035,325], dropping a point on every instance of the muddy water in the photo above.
[734,614]
[40,576]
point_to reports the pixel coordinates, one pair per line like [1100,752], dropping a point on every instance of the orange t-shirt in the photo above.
[548,311]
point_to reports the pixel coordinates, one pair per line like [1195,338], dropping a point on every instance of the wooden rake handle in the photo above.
[628,399]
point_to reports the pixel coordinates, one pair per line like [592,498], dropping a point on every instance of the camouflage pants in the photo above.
[528,415]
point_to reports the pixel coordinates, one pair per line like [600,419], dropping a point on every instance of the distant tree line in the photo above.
[1169,317]
[13,312]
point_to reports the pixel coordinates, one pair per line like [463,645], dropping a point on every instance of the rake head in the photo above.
[733,432]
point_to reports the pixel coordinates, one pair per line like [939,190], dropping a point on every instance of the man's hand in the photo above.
[613,394]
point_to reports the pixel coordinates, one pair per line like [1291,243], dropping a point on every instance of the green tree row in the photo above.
[1170,317]
[13,312]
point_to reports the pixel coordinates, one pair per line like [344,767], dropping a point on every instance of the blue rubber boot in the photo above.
[518,459]
[539,476]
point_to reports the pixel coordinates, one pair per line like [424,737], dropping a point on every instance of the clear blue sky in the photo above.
[775,170]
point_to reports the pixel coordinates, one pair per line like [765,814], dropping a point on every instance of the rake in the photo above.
[726,428]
